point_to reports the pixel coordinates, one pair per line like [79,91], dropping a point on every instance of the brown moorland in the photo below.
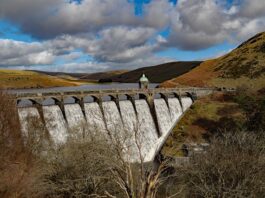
[245,65]
[15,79]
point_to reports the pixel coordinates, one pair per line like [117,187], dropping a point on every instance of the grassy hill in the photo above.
[14,79]
[157,74]
[243,66]
[103,75]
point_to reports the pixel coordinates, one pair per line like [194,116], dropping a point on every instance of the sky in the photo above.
[101,35]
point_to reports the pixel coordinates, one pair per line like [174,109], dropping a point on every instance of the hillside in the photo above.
[244,65]
[157,74]
[103,75]
[73,75]
[166,71]
[14,79]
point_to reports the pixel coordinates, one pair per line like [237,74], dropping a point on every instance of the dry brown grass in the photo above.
[244,65]
[200,76]
[17,167]
[26,79]
[233,166]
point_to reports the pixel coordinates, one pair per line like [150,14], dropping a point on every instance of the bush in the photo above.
[18,167]
[254,110]
[233,166]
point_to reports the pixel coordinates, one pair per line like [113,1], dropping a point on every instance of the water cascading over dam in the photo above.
[132,123]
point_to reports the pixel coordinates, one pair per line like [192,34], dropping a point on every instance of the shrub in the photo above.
[233,166]
[254,110]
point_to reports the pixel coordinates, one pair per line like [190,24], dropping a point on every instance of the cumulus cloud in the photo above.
[21,53]
[111,33]
[46,19]
[252,8]
[112,45]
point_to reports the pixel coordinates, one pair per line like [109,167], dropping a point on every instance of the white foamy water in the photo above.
[95,121]
[128,115]
[163,116]
[75,119]
[175,109]
[27,117]
[148,133]
[186,103]
[176,112]
[55,124]
[113,118]
[126,126]
[130,129]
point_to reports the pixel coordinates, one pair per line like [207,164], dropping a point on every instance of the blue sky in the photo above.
[96,35]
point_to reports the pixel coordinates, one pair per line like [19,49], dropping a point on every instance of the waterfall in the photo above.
[112,118]
[131,127]
[175,109]
[163,116]
[186,103]
[95,121]
[129,119]
[75,119]
[147,130]
[28,116]
[55,123]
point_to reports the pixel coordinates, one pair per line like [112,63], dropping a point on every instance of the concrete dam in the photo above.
[136,117]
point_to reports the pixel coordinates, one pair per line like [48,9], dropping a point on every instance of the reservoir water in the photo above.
[96,86]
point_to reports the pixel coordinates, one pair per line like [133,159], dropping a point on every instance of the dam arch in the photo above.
[51,101]
[71,100]
[139,104]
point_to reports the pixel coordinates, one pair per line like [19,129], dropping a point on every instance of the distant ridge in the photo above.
[157,74]
[244,65]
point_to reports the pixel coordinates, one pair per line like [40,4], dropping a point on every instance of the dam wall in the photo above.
[139,122]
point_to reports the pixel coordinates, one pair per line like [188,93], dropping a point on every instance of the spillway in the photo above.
[113,118]
[76,120]
[148,134]
[55,124]
[29,118]
[132,125]
[175,109]
[163,115]
[131,129]
[95,122]
[186,103]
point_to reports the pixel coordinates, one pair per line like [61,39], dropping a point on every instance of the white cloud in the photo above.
[109,31]
[252,8]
